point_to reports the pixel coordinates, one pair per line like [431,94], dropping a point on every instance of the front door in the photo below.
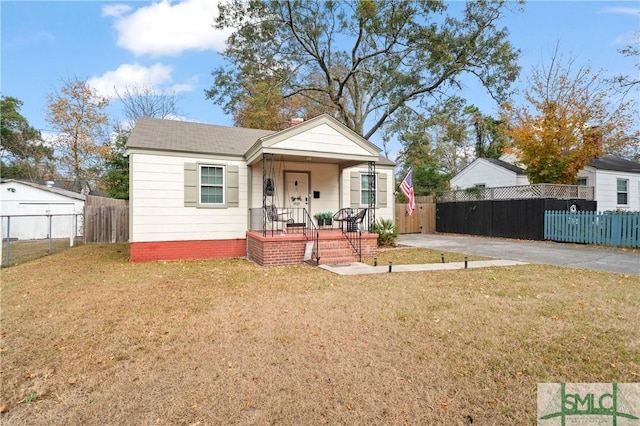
[296,190]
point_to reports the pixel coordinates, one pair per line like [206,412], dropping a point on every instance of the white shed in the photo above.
[26,209]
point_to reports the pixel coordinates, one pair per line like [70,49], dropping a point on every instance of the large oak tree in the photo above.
[361,61]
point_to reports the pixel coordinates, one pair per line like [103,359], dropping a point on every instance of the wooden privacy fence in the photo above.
[106,220]
[94,200]
[607,228]
[423,219]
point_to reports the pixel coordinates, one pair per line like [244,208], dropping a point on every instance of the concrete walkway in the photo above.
[362,268]
[542,252]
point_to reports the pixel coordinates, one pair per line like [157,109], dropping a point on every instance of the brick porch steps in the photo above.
[288,248]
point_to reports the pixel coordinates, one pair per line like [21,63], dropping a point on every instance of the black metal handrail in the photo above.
[351,221]
[272,220]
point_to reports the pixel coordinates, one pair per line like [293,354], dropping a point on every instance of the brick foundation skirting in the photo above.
[187,250]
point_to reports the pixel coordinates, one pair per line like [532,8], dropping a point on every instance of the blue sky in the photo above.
[171,45]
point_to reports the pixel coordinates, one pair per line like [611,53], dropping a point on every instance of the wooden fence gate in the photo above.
[423,219]
[106,220]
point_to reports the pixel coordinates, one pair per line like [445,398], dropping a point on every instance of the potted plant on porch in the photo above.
[324,219]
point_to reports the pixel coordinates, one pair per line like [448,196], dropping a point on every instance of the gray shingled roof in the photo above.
[505,165]
[184,136]
[611,162]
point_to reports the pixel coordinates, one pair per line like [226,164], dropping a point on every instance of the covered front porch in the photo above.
[292,237]
[296,177]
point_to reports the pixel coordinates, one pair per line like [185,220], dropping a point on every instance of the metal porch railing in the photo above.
[272,221]
[351,222]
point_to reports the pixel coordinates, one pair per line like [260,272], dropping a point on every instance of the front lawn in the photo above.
[89,338]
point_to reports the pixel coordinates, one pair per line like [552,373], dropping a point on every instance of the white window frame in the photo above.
[375,188]
[625,192]
[223,185]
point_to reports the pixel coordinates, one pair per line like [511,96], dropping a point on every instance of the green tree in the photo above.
[361,60]
[430,148]
[24,154]
[117,163]
[76,113]
[490,138]
[568,118]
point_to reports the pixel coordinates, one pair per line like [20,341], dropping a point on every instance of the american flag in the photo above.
[407,189]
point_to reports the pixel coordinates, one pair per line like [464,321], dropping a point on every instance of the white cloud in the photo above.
[627,39]
[167,28]
[128,75]
[623,10]
[187,86]
[115,10]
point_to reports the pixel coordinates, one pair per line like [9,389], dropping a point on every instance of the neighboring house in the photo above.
[197,190]
[616,181]
[489,173]
[29,205]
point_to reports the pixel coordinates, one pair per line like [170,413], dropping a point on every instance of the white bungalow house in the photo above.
[616,181]
[27,209]
[206,191]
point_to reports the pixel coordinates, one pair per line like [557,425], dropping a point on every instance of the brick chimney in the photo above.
[295,120]
[48,181]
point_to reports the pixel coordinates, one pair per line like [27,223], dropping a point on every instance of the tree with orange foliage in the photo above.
[262,105]
[568,119]
[76,114]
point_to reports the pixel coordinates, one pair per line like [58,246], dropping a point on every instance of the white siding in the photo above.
[27,200]
[606,190]
[588,173]
[322,177]
[482,172]
[522,180]
[387,212]
[324,139]
[157,211]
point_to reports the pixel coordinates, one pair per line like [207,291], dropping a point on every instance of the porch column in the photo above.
[373,191]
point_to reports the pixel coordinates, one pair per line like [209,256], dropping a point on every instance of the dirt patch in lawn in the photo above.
[89,338]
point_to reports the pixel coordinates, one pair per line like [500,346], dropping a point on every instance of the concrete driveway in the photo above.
[545,252]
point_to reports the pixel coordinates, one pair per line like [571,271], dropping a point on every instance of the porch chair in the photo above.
[275,214]
[353,217]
